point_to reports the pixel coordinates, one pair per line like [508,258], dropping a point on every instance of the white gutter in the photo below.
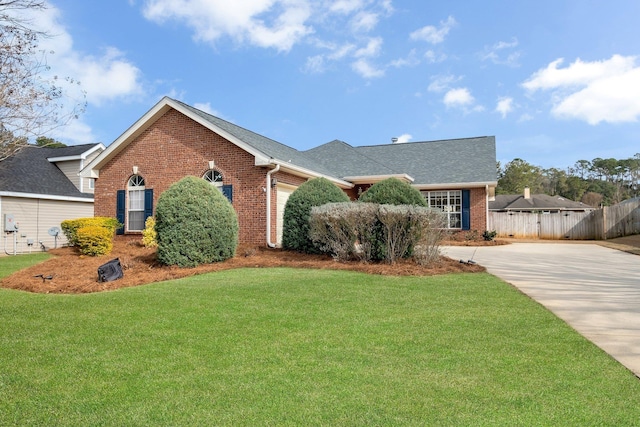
[45,197]
[455,185]
[268,191]
[368,179]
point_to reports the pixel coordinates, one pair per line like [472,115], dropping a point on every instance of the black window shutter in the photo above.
[148,203]
[466,209]
[227,190]
[120,209]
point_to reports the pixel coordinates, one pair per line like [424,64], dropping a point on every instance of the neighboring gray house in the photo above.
[39,188]
[535,203]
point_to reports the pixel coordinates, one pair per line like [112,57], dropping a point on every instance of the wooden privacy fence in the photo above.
[606,223]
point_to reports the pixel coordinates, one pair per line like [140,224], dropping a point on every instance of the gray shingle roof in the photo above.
[431,162]
[344,160]
[29,171]
[268,147]
[451,161]
[518,202]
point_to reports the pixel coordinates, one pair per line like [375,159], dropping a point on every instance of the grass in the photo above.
[303,347]
[13,263]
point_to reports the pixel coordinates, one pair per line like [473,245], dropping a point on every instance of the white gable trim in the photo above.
[81,156]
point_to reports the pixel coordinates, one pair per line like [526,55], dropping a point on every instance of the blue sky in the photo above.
[554,81]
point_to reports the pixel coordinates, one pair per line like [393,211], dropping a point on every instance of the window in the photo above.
[135,211]
[450,202]
[214,177]
[92,183]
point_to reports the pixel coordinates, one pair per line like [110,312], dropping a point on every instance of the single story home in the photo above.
[39,188]
[257,174]
[535,203]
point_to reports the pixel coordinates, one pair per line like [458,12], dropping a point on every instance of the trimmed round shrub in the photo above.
[94,240]
[195,224]
[392,191]
[295,228]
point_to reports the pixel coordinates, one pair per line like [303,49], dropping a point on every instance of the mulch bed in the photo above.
[73,273]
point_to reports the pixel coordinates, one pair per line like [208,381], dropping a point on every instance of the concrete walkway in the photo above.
[595,289]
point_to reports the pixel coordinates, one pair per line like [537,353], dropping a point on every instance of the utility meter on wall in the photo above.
[10,224]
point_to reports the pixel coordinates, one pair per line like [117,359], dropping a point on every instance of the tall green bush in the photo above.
[392,191]
[295,229]
[195,224]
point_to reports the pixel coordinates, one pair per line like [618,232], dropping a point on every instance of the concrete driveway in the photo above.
[594,289]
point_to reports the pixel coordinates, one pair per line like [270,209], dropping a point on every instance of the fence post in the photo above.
[604,222]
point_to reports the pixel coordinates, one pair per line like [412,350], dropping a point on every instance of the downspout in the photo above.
[268,187]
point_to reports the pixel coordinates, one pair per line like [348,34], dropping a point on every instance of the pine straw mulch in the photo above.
[70,273]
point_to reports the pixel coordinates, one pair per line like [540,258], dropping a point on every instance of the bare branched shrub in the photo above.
[354,231]
[433,226]
[333,228]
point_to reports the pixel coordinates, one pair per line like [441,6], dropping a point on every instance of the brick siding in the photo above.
[176,146]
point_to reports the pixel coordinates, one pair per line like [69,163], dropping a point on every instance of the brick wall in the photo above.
[176,146]
[478,209]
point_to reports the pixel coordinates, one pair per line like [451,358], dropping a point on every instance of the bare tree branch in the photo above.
[30,103]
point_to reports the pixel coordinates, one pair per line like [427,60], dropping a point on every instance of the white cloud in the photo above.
[364,21]
[504,106]
[459,97]
[277,24]
[366,69]
[283,24]
[433,57]
[345,6]
[496,53]
[405,137]
[315,65]
[432,34]
[108,77]
[372,48]
[598,91]
[441,83]
[410,61]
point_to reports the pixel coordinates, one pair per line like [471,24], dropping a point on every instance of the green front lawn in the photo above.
[303,347]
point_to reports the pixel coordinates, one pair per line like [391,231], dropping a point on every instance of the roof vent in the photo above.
[394,140]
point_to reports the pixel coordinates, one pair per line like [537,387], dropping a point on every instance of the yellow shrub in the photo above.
[149,235]
[70,227]
[94,240]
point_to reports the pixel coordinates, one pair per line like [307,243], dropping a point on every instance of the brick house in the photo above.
[257,174]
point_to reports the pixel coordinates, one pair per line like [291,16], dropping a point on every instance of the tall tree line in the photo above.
[596,182]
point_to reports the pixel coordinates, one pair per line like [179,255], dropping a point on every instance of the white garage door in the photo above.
[283,193]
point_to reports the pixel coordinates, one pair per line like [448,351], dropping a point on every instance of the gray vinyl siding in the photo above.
[70,169]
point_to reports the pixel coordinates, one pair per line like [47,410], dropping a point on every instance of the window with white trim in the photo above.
[135,211]
[449,202]
[214,177]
